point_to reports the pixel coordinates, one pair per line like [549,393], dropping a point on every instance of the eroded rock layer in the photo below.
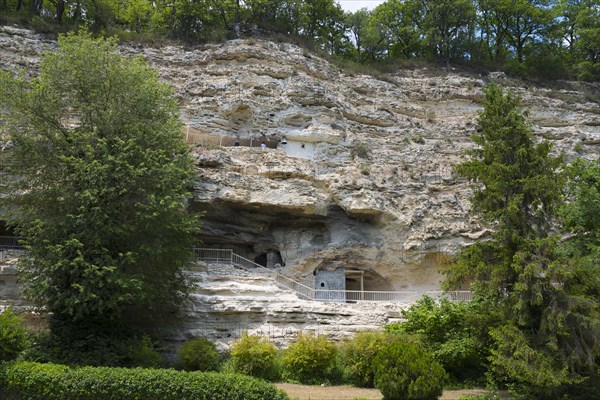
[356,173]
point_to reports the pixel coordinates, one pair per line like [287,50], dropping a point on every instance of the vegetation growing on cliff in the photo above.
[549,38]
[101,175]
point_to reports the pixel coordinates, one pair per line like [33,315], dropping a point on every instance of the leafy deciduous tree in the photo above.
[100,178]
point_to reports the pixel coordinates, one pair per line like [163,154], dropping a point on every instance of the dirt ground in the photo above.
[304,392]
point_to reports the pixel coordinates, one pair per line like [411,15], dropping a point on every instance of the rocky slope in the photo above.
[357,173]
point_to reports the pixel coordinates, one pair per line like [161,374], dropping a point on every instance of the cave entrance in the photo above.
[355,280]
[261,259]
[270,259]
[366,281]
[8,239]
[5,230]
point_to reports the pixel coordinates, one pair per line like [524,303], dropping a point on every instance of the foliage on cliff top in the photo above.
[543,40]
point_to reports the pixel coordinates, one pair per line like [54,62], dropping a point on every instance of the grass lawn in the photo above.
[306,392]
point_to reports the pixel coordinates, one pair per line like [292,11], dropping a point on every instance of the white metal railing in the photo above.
[10,243]
[224,255]
[456,295]
[213,255]
[287,282]
[245,263]
[300,288]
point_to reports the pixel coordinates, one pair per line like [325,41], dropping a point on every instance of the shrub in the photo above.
[199,354]
[406,371]
[310,359]
[256,356]
[455,332]
[118,351]
[57,382]
[13,336]
[357,356]
[360,150]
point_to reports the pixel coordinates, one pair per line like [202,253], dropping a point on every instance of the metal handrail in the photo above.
[208,255]
[213,255]
[289,283]
[10,243]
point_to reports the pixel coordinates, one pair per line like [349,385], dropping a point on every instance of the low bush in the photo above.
[456,332]
[310,359]
[358,353]
[405,371]
[35,381]
[255,356]
[13,336]
[199,354]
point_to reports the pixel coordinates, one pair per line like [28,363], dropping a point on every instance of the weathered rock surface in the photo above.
[228,301]
[364,180]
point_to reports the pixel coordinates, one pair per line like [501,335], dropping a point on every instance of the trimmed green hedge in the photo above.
[35,381]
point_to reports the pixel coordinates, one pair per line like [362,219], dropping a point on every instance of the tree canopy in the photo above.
[539,38]
[99,179]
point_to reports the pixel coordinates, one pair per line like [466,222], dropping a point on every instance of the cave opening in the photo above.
[270,259]
[366,281]
[5,230]
[261,259]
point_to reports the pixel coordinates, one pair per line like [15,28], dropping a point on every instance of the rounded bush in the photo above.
[309,359]
[199,354]
[254,355]
[405,371]
[358,353]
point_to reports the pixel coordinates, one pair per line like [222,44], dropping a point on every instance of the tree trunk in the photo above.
[77,12]
[36,6]
[60,10]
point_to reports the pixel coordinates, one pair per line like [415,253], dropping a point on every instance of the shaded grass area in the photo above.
[345,392]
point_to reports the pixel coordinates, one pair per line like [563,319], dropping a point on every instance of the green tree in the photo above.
[100,177]
[309,359]
[588,42]
[137,14]
[358,24]
[582,214]
[405,370]
[358,353]
[546,335]
[447,25]
[398,25]
[517,22]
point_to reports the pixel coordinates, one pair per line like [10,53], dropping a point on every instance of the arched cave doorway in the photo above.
[270,259]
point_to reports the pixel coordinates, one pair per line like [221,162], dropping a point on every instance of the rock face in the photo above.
[228,301]
[357,171]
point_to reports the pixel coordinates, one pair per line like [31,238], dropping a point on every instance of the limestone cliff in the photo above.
[357,170]
[364,180]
